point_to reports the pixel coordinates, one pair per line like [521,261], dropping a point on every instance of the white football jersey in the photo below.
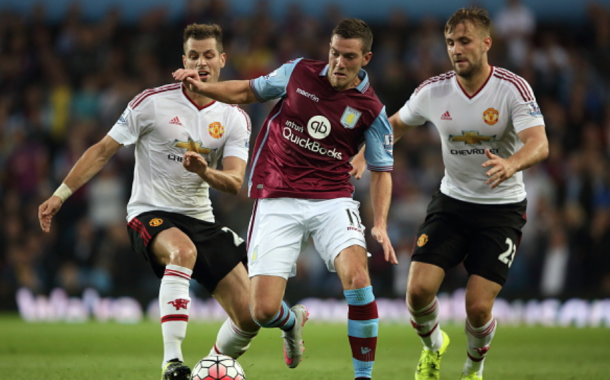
[163,123]
[490,119]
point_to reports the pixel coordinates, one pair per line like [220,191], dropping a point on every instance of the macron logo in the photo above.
[175,121]
[308,95]
[446,116]
[365,350]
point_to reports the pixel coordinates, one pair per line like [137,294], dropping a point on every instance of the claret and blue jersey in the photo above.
[305,144]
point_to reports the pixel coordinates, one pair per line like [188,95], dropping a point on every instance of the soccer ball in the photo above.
[218,367]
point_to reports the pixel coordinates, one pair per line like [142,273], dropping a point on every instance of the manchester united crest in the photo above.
[156,222]
[491,116]
[422,240]
[216,130]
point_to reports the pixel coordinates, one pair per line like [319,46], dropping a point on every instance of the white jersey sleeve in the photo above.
[238,141]
[526,114]
[412,113]
[133,123]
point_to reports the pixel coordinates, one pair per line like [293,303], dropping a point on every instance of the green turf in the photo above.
[114,351]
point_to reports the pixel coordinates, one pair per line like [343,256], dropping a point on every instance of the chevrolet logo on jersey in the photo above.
[471,138]
[350,117]
[192,146]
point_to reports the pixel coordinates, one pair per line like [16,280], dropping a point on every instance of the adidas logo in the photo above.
[446,116]
[175,121]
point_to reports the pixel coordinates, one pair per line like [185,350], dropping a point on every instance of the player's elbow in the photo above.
[545,152]
[235,186]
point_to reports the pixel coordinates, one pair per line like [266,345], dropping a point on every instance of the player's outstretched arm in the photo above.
[89,164]
[381,195]
[535,149]
[230,92]
[228,180]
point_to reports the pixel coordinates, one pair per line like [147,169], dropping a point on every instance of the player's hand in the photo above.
[190,79]
[47,210]
[381,235]
[359,165]
[195,163]
[501,170]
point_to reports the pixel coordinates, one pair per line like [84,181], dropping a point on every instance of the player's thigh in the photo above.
[441,242]
[219,252]
[278,233]
[335,226]
[154,235]
[492,253]
[171,245]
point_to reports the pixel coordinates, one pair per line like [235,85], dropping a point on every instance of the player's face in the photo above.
[203,56]
[345,59]
[467,48]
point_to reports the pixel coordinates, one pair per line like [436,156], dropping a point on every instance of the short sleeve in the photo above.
[379,144]
[273,85]
[133,123]
[238,141]
[413,112]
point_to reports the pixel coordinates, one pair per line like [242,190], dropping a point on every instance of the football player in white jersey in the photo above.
[180,136]
[491,129]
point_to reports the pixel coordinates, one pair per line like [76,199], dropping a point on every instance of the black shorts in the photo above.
[484,237]
[219,249]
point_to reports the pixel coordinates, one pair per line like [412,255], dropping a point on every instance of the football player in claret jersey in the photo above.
[300,181]
[179,138]
[491,129]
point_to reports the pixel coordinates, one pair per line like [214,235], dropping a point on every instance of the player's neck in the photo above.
[474,83]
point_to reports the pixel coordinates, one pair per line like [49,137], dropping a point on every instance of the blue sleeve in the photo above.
[379,144]
[273,85]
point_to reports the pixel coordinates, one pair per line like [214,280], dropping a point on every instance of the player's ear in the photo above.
[184,61]
[486,44]
[223,59]
[367,58]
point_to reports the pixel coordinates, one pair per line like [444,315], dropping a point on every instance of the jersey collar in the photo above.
[362,74]
[192,102]
[480,88]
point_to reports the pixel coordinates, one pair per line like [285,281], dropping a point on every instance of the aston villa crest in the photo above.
[350,117]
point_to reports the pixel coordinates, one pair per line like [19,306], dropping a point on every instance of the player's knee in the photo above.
[419,295]
[184,256]
[357,280]
[479,312]
[262,315]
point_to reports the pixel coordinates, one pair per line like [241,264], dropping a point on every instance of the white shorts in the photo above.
[280,228]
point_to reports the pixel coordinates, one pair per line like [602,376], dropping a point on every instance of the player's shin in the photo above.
[362,325]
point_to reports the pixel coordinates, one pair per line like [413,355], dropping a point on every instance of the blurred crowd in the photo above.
[63,85]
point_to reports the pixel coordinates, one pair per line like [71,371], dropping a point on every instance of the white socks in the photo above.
[479,339]
[174,306]
[232,341]
[425,322]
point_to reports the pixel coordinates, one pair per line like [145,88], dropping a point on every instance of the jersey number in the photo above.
[236,239]
[508,256]
[352,218]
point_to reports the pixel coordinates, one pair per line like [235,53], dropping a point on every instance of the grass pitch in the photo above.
[114,351]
